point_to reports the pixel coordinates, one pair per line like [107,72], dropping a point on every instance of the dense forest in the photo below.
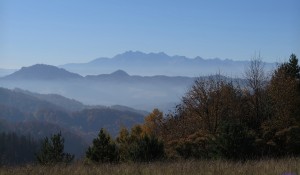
[15,149]
[217,118]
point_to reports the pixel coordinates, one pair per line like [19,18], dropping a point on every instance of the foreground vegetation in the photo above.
[289,166]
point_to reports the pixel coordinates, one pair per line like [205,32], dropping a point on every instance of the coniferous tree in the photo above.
[292,68]
[52,151]
[103,149]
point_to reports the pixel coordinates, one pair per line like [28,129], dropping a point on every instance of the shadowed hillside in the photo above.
[40,115]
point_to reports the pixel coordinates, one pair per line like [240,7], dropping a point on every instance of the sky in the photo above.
[73,31]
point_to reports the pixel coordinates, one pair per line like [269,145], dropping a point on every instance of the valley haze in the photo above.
[135,79]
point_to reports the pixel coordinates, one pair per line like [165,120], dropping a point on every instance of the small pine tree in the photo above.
[52,151]
[103,149]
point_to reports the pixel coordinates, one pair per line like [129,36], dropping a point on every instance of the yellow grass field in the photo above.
[288,166]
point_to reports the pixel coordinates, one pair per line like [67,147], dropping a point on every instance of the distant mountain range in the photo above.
[42,72]
[117,88]
[138,80]
[139,63]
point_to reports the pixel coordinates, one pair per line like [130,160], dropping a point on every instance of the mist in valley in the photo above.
[139,95]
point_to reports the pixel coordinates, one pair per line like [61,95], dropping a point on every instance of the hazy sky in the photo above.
[63,31]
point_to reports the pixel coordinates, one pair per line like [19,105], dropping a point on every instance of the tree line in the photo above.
[252,119]
[16,149]
[224,119]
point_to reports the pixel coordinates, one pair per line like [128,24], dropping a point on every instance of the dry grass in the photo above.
[263,167]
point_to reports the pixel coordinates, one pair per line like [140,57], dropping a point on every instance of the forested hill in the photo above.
[61,101]
[24,102]
[25,112]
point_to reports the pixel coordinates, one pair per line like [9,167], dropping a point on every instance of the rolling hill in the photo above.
[67,104]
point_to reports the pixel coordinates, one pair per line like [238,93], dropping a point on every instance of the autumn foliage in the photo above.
[220,118]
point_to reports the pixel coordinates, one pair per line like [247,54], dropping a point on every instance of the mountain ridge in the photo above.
[42,71]
[32,73]
[150,64]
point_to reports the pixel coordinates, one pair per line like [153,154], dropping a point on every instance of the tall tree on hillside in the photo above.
[281,131]
[209,102]
[256,82]
[198,118]
[52,151]
[255,74]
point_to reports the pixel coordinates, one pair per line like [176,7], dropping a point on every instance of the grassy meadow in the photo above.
[288,166]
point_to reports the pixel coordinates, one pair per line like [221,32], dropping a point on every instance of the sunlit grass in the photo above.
[207,167]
